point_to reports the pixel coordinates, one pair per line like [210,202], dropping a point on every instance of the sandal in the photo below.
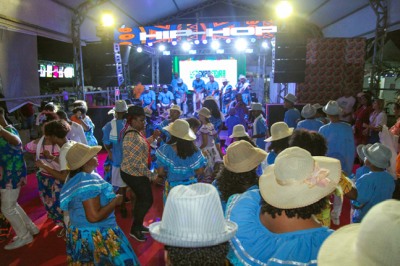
[61,233]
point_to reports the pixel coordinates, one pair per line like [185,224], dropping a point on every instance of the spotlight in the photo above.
[241,44]
[139,49]
[204,41]
[253,40]
[107,19]
[265,45]
[192,52]
[220,51]
[249,51]
[215,45]
[174,43]
[161,48]
[166,52]
[186,46]
[228,41]
[284,9]
[196,42]
[150,44]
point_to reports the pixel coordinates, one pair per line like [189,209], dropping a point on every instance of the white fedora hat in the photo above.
[332,108]
[181,129]
[279,130]
[242,157]
[298,179]
[238,132]
[378,154]
[290,97]
[255,107]
[360,152]
[308,111]
[193,217]
[374,241]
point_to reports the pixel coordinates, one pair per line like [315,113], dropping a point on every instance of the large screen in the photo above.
[48,69]
[220,68]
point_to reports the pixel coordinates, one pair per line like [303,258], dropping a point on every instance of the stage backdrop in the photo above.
[332,64]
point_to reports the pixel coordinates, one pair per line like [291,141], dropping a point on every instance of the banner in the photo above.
[192,32]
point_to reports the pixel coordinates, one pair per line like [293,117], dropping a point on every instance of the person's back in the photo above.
[310,124]
[230,122]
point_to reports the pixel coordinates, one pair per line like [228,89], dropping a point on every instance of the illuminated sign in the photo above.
[201,31]
[55,70]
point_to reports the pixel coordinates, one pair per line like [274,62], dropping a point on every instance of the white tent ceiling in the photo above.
[52,18]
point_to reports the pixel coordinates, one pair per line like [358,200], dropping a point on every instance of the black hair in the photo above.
[62,115]
[248,139]
[230,183]
[311,141]
[212,255]
[184,148]
[80,108]
[47,116]
[303,212]
[279,145]
[213,107]
[193,122]
[57,128]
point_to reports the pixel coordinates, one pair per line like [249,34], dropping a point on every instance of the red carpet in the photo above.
[49,250]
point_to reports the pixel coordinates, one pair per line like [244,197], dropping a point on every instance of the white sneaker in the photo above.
[33,229]
[19,242]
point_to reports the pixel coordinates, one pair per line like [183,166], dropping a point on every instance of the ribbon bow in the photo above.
[319,177]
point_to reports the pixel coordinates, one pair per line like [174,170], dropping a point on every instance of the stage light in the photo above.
[253,40]
[161,48]
[220,51]
[107,19]
[192,52]
[265,45]
[186,46]
[196,42]
[228,41]
[204,41]
[284,9]
[241,44]
[139,49]
[215,45]
[174,43]
[150,44]
[166,53]
[249,51]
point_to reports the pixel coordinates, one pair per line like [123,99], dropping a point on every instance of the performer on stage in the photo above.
[243,87]
[199,87]
[180,92]
[212,88]
[226,95]
[165,99]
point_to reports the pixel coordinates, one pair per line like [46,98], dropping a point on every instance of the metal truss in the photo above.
[77,19]
[380,9]
[155,70]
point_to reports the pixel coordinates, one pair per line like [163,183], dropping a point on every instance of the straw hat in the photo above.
[175,107]
[308,111]
[255,107]
[290,97]
[193,217]
[298,180]
[79,154]
[332,108]
[165,87]
[279,130]
[238,132]
[242,157]
[374,241]
[146,88]
[181,129]
[378,155]
[205,112]
[120,106]
[360,152]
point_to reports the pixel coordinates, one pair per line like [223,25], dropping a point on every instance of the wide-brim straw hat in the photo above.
[242,157]
[298,179]
[332,108]
[79,154]
[290,97]
[204,112]
[308,111]
[181,129]
[238,132]
[280,130]
[378,155]
[192,218]
[374,241]
[175,107]
[120,106]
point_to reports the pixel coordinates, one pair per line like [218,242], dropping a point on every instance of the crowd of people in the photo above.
[259,196]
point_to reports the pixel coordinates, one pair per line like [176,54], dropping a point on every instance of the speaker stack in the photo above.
[289,58]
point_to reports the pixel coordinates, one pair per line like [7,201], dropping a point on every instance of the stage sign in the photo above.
[48,69]
[200,31]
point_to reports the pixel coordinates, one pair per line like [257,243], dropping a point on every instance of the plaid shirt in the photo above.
[135,155]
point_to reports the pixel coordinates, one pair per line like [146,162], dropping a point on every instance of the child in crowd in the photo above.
[375,186]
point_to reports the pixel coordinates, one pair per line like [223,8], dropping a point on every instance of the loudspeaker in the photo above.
[289,55]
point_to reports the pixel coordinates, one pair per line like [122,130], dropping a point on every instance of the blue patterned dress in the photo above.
[179,171]
[101,243]
[91,139]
